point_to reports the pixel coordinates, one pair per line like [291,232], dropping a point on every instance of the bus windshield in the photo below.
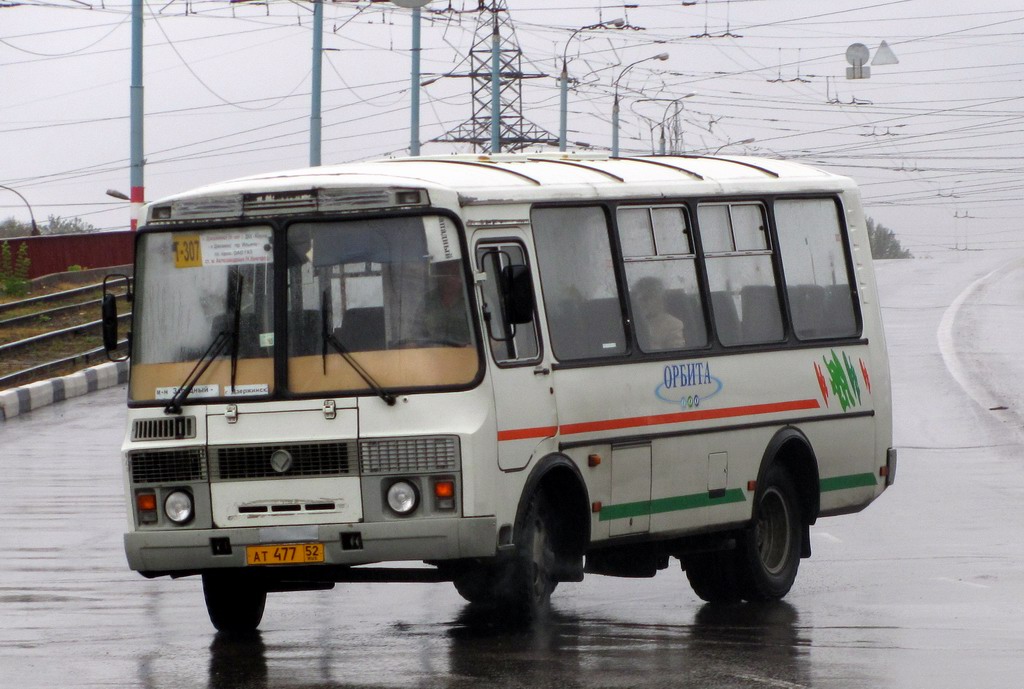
[204,299]
[378,305]
[374,306]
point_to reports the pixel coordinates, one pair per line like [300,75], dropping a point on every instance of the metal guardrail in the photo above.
[29,374]
[64,332]
[49,313]
[44,298]
[41,370]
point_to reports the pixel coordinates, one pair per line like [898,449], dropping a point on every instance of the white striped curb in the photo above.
[34,395]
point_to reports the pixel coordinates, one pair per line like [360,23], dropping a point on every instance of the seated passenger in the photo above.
[657,329]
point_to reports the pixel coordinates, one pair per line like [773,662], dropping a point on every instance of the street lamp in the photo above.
[31,215]
[742,142]
[615,107]
[563,80]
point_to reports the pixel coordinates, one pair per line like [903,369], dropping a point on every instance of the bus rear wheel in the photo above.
[769,549]
[713,576]
[234,604]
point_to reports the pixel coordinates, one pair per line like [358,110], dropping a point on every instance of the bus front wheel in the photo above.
[533,569]
[521,584]
[234,605]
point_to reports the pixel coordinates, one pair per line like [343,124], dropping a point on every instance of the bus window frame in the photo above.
[284,224]
[607,207]
[279,232]
[490,244]
[637,351]
[851,273]
[714,347]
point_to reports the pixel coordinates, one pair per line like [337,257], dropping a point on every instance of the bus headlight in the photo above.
[403,497]
[178,507]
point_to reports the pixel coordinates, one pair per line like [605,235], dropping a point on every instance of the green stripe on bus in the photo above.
[845,482]
[674,504]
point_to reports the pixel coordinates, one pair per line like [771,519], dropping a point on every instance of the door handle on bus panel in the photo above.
[541,371]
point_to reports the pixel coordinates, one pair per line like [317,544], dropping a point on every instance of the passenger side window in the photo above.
[821,300]
[661,277]
[577,274]
[509,343]
[744,295]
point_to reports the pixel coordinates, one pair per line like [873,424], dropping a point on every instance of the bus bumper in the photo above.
[182,552]
[890,467]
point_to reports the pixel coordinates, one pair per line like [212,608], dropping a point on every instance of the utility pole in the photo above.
[414,85]
[315,122]
[136,112]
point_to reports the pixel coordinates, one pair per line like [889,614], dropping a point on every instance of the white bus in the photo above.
[501,371]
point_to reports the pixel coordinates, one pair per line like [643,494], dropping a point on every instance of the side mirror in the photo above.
[108,309]
[108,312]
[517,291]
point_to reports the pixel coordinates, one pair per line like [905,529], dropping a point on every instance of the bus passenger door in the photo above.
[520,370]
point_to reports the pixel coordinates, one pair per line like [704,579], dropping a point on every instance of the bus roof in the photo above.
[505,178]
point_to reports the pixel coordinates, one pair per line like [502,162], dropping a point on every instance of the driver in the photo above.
[445,316]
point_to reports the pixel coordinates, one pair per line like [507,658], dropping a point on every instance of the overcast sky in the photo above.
[936,141]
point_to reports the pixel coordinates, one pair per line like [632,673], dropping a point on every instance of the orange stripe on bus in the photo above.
[659,419]
[527,433]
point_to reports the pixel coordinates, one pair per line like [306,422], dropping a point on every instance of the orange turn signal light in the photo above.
[444,489]
[146,502]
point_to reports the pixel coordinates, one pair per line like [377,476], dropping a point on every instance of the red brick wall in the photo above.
[55,253]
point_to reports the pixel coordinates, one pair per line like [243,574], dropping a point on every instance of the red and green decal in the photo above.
[839,378]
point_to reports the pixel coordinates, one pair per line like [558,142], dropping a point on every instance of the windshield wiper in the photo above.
[219,344]
[224,338]
[329,339]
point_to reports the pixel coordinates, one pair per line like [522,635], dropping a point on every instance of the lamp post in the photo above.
[414,105]
[31,215]
[615,106]
[563,80]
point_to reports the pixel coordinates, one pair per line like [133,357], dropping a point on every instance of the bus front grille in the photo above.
[306,459]
[164,428]
[168,466]
[408,455]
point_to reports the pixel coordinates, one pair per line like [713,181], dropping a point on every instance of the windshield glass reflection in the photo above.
[377,305]
[185,302]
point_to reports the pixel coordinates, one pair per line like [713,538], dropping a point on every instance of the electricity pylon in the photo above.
[496,44]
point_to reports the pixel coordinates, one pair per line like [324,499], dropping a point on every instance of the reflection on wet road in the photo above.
[719,647]
[923,589]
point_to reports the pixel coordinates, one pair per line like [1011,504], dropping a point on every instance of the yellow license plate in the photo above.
[285,554]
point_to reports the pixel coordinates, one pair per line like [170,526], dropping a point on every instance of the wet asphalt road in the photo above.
[923,589]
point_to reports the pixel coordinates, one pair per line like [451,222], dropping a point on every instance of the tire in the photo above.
[769,549]
[713,576]
[477,584]
[234,604]
[533,578]
[522,584]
